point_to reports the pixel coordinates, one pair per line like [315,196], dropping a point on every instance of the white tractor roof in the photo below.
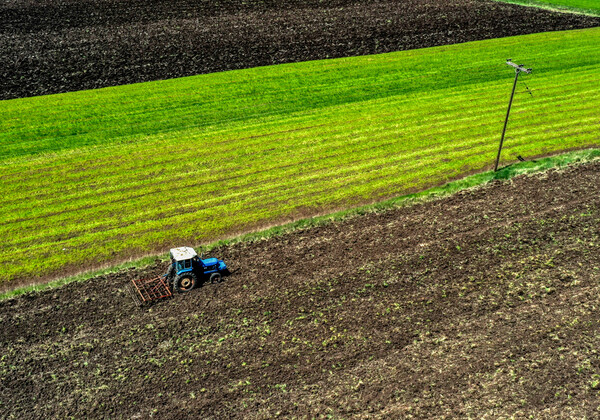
[183,253]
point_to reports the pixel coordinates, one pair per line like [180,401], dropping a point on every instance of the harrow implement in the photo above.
[146,290]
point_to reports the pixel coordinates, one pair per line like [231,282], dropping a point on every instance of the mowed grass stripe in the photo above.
[375,127]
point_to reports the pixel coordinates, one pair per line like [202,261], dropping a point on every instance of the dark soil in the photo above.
[483,304]
[52,46]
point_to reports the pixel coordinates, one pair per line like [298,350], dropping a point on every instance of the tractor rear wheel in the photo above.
[185,282]
[215,278]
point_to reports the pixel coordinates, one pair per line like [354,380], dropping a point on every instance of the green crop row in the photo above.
[111,174]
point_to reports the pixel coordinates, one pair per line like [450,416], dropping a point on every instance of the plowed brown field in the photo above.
[53,46]
[482,303]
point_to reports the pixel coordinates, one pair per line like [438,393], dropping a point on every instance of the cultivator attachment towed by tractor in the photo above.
[146,290]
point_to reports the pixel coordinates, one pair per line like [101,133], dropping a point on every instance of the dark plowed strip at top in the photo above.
[54,46]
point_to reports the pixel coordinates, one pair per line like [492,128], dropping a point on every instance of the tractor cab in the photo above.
[183,259]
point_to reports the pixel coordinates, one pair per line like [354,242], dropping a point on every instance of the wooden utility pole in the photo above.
[518,69]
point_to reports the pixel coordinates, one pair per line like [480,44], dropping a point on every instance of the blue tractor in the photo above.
[187,269]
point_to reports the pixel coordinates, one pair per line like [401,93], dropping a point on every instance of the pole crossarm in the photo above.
[518,67]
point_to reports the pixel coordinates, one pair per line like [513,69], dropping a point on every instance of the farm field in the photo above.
[96,177]
[53,46]
[481,304]
[585,6]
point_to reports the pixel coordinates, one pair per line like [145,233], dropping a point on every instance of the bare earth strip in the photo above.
[482,304]
[56,46]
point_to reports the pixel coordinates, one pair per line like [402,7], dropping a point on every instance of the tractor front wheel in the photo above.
[215,278]
[185,282]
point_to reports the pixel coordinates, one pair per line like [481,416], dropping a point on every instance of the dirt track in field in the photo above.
[54,46]
[484,303]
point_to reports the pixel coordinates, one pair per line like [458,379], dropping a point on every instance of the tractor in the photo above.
[185,272]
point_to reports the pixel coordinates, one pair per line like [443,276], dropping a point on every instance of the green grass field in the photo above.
[582,6]
[100,176]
